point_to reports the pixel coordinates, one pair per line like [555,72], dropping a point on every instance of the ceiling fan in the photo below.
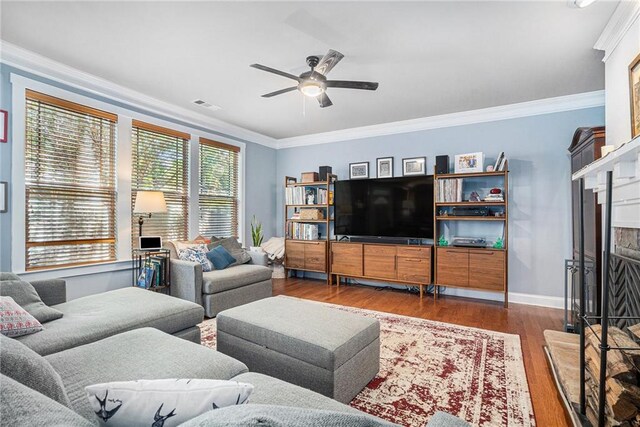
[314,83]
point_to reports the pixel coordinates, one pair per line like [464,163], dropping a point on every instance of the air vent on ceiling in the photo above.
[206,104]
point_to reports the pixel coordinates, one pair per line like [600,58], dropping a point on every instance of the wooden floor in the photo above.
[527,321]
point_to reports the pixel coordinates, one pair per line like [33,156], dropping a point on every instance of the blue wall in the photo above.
[260,170]
[540,192]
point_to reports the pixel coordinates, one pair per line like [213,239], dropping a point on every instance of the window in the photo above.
[160,163]
[70,183]
[218,194]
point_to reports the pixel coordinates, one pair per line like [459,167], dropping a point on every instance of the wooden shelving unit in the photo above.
[302,254]
[476,268]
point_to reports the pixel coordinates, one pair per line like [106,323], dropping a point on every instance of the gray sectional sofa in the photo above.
[99,316]
[42,380]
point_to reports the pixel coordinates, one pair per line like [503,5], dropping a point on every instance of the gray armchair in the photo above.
[219,290]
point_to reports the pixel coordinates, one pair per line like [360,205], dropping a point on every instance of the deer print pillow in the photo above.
[162,403]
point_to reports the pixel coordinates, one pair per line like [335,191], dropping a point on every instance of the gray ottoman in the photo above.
[329,351]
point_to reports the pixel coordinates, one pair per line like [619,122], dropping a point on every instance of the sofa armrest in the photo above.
[259,258]
[186,280]
[51,291]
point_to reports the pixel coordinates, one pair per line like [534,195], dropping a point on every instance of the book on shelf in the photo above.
[303,195]
[450,190]
[302,231]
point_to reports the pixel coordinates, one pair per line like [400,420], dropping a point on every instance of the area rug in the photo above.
[428,366]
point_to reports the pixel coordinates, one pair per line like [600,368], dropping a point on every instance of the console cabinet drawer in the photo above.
[315,256]
[416,270]
[486,269]
[414,251]
[453,267]
[380,261]
[346,259]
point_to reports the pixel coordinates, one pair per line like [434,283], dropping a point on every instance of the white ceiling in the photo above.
[430,58]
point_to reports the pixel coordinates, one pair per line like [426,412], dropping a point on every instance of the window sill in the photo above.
[50,273]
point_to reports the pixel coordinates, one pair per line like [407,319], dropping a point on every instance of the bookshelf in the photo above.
[307,236]
[475,268]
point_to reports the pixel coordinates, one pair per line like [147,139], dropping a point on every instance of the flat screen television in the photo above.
[385,207]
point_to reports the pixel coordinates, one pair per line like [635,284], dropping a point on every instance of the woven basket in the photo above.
[311,214]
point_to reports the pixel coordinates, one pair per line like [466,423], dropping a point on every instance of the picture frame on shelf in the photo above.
[634,95]
[359,170]
[414,166]
[469,163]
[4,125]
[384,167]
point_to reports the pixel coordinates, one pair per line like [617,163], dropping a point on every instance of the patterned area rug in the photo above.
[428,366]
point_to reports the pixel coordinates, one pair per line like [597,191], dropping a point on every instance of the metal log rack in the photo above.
[586,320]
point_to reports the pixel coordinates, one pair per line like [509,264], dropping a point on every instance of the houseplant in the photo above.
[256,235]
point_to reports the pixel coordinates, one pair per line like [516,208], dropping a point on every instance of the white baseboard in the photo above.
[514,297]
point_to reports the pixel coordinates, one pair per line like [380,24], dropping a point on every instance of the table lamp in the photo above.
[147,203]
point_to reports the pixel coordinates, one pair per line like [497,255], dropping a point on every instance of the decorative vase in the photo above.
[255,249]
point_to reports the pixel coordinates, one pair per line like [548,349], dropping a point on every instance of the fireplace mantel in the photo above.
[625,164]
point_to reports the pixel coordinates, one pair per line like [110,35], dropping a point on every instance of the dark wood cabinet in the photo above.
[584,149]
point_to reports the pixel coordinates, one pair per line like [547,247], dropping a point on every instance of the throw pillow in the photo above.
[29,368]
[220,258]
[232,246]
[167,402]
[25,295]
[196,254]
[15,321]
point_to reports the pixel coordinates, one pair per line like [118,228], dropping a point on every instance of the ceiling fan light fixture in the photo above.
[311,88]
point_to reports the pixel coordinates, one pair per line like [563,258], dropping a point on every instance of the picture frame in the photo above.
[384,167]
[469,163]
[4,197]
[414,166]
[4,125]
[634,95]
[359,170]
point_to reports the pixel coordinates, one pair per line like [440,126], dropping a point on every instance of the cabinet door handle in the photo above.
[482,253]
[413,259]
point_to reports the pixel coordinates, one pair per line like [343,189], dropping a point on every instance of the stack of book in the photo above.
[301,231]
[152,273]
[450,190]
[494,198]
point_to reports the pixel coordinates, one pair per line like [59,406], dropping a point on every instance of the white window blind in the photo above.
[160,163]
[218,194]
[70,182]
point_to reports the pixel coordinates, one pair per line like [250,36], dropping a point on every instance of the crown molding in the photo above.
[621,20]
[505,112]
[39,65]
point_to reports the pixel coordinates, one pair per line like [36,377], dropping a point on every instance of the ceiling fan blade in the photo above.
[274,71]
[346,84]
[324,100]
[278,92]
[328,62]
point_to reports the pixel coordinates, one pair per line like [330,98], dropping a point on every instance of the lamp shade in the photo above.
[148,202]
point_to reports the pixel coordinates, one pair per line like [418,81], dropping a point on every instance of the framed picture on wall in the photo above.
[414,166]
[384,167]
[634,96]
[359,170]
[4,125]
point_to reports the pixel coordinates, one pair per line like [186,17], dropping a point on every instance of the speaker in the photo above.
[324,172]
[442,164]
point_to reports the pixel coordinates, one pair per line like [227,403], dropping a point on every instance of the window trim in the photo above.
[126,114]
